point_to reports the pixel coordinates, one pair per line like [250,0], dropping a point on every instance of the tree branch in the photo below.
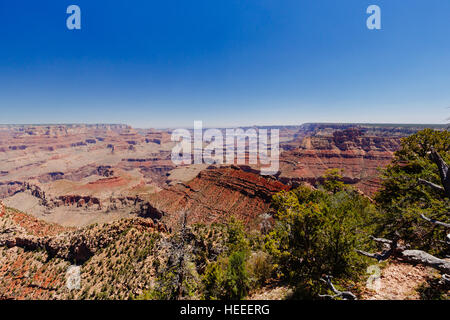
[431,184]
[385,254]
[345,295]
[443,170]
[446,279]
[379,256]
[436,222]
[381,240]
[421,257]
[410,256]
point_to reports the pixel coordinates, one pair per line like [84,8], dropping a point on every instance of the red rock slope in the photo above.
[216,194]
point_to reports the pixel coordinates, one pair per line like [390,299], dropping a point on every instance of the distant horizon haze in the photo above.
[425,125]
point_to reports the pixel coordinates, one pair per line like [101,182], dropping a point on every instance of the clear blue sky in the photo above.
[167,63]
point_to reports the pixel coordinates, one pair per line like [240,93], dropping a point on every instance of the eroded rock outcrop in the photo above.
[76,200]
[351,150]
[217,194]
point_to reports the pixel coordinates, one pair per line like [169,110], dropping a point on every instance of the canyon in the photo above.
[76,175]
[106,199]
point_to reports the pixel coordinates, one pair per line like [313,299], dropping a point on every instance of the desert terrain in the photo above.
[76,175]
[74,194]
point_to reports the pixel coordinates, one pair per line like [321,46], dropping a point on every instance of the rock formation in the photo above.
[216,194]
[359,156]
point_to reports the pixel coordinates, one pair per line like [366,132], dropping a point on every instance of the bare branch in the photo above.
[446,279]
[328,296]
[436,222]
[381,240]
[379,256]
[421,257]
[431,184]
[345,295]
[385,254]
[410,256]
[443,170]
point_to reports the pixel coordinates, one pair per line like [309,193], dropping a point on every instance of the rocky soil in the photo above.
[115,260]
[399,281]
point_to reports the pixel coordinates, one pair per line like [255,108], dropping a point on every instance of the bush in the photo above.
[237,281]
[213,281]
[317,233]
[227,278]
[260,268]
[236,236]
[402,198]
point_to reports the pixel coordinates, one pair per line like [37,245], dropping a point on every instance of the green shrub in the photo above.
[317,233]
[213,281]
[402,199]
[260,268]
[236,283]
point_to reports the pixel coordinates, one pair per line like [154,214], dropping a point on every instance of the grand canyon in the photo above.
[81,194]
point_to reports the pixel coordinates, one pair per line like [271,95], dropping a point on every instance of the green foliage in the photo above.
[317,233]
[333,180]
[166,285]
[213,280]
[214,264]
[227,277]
[402,198]
[236,283]
[260,268]
[236,236]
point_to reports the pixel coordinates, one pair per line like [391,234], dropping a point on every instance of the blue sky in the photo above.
[226,62]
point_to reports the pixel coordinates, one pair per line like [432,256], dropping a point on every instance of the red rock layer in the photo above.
[358,155]
[217,194]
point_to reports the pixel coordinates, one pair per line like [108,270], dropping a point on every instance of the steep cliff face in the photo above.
[216,194]
[359,156]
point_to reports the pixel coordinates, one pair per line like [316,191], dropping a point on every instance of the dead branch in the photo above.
[431,184]
[410,256]
[446,279]
[443,170]
[436,222]
[379,256]
[421,257]
[345,295]
[385,254]
[381,240]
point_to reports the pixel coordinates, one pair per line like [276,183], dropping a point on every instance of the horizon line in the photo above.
[225,127]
